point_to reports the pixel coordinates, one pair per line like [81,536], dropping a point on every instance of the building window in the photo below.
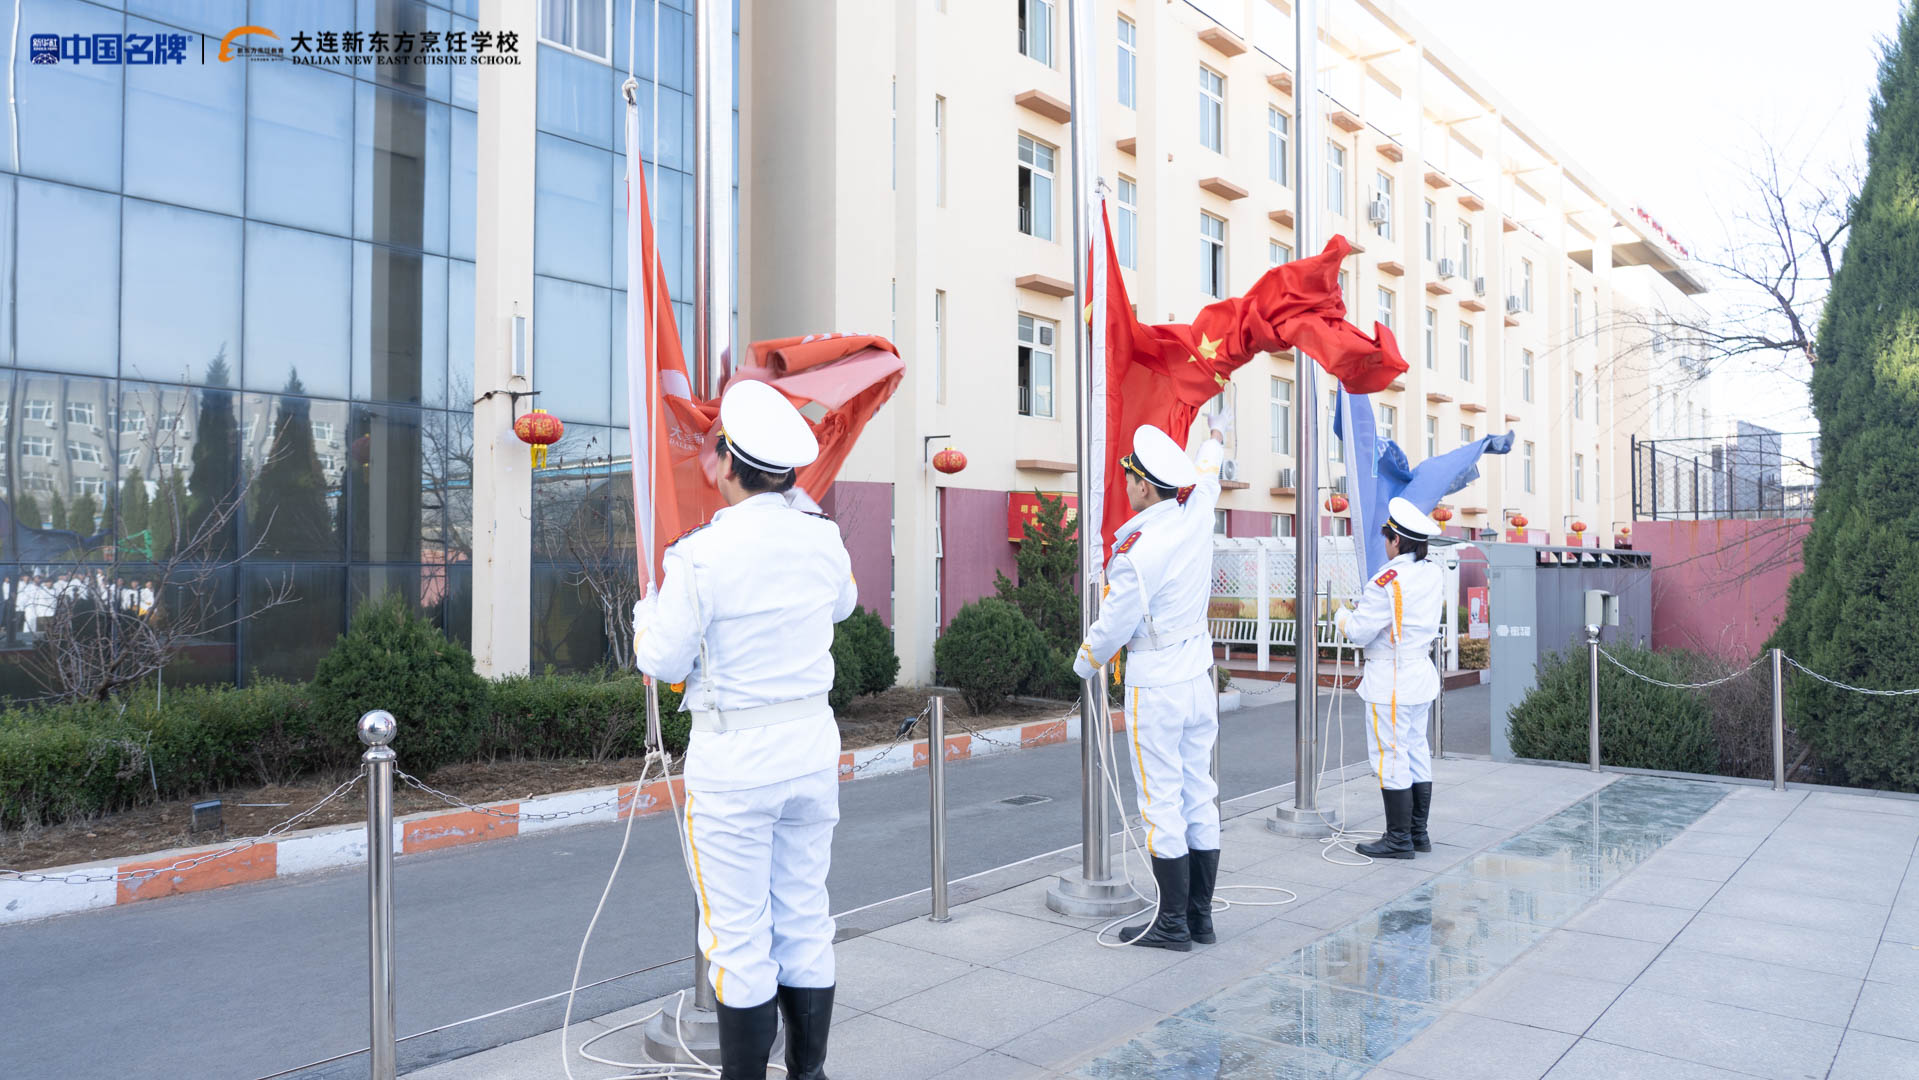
[38,409]
[1579,477]
[1212,109]
[36,446]
[1035,188]
[1432,436]
[1526,284]
[1427,224]
[939,344]
[581,26]
[129,457]
[1282,524]
[85,453]
[1277,253]
[1035,366]
[1128,239]
[1579,395]
[1387,303]
[1388,423]
[1467,435]
[1383,195]
[1338,448]
[1279,146]
[1526,467]
[1280,412]
[1036,30]
[1212,255]
[939,151]
[1579,313]
[1465,249]
[89,485]
[1432,339]
[80,412]
[1219,523]
[1345,295]
[1341,526]
[1466,351]
[322,431]
[1128,63]
[1336,178]
[1526,374]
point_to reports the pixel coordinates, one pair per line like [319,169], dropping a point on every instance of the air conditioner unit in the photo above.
[1448,268]
[1379,211]
[1479,286]
[1514,305]
[1286,478]
[1229,470]
[1339,484]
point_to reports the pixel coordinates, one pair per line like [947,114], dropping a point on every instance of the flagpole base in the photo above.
[691,1038]
[1085,898]
[1310,824]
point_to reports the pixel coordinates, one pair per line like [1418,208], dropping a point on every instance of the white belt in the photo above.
[1153,640]
[754,716]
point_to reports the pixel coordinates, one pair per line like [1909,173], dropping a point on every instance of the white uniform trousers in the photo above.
[760,857]
[1396,740]
[1170,732]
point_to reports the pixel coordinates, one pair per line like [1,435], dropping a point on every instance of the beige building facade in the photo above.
[905,168]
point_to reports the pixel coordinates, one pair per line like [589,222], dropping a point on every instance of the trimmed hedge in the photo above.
[1641,726]
[863,658]
[392,659]
[599,717]
[989,652]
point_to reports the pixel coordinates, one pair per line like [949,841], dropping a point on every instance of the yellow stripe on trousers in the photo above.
[1139,759]
[699,882]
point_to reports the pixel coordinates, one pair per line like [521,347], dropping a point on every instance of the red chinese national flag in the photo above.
[1162,374]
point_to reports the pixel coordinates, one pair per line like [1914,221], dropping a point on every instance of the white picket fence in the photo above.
[1253,590]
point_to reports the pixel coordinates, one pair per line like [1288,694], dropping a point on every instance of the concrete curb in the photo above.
[332,847]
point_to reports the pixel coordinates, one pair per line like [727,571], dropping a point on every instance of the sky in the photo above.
[1666,101]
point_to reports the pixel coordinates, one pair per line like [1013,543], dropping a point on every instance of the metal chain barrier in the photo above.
[453,800]
[1847,686]
[1019,744]
[898,741]
[82,878]
[1692,686]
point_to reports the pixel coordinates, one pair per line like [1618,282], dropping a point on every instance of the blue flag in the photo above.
[1379,472]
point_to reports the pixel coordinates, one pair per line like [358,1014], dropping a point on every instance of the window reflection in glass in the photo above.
[184,133]
[456,465]
[69,113]
[386,481]
[300,146]
[423,588]
[286,642]
[293,500]
[214,17]
[573,191]
[572,350]
[401,167]
[463,202]
[459,336]
[297,309]
[181,280]
[576,97]
[399,326]
[69,306]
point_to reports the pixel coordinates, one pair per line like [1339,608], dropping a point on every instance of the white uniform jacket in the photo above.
[1397,618]
[1158,583]
[762,584]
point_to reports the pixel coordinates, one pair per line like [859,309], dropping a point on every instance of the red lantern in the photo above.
[1337,504]
[949,461]
[539,429]
[1442,514]
[1579,526]
[362,449]
[1519,521]
[1625,530]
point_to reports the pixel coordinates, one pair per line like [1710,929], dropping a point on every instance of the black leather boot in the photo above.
[1168,930]
[746,1039]
[1422,806]
[1397,841]
[1204,871]
[809,1013]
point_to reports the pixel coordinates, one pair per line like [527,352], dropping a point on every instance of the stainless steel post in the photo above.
[712,190]
[1093,892]
[1592,695]
[1304,817]
[1778,720]
[377,729]
[936,776]
[1439,701]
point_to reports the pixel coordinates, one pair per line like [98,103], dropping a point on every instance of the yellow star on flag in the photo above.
[1218,378]
[1088,313]
[1208,347]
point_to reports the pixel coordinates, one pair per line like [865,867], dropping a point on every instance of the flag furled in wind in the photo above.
[837,381]
[1378,471]
[1161,375]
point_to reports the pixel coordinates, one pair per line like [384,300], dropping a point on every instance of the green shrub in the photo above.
[1641,726]
[988,652]
[599,716]
[873,643]
[1475,653]
[1047,593]
[392,659]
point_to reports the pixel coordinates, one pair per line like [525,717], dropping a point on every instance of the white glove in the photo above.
[1341,617]
[1083,667]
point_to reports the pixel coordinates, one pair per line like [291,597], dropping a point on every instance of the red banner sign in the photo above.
[1023,506]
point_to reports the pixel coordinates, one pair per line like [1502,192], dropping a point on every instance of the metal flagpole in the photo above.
[1093,892]
[1304,817]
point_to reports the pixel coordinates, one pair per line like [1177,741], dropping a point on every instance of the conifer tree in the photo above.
[1851,612]
[287,501]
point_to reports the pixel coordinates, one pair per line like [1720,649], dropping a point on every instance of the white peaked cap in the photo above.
[1410,521]
[764,429]
[1165,464]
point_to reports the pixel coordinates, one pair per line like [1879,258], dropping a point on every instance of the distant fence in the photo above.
[1740,476]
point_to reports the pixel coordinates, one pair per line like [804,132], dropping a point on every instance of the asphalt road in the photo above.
[251,981]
